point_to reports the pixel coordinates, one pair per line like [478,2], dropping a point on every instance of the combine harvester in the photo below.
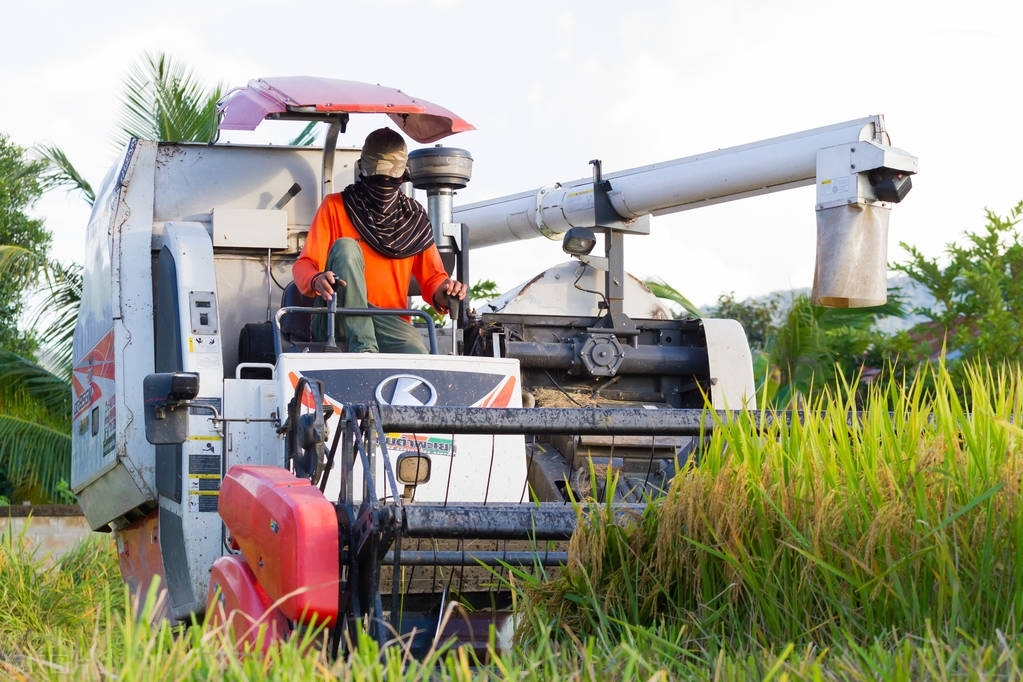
[279,481]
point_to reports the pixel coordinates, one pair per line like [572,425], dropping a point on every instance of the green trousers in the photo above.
[362,333]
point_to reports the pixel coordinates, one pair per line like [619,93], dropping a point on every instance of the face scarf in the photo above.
[391,222]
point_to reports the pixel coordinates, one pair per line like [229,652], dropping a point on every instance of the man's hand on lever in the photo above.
[323,284]
[450,290]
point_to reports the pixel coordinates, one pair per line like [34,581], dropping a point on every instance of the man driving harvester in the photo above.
[365,243]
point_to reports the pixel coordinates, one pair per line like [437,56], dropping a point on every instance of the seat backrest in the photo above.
[296,327]
[256,345]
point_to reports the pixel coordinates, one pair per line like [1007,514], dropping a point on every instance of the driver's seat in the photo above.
[296,327]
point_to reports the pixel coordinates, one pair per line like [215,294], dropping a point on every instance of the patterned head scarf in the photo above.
[391,222]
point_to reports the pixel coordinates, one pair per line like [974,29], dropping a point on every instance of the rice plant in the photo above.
[840,542]
[819,529]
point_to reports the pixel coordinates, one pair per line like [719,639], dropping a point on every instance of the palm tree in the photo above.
[35,398]
[161,101]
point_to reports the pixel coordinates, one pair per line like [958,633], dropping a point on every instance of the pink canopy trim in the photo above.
[244,108]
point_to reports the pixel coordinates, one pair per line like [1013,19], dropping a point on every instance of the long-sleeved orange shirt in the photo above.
[387,279]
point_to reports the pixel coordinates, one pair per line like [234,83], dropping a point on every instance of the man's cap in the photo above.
[384,153]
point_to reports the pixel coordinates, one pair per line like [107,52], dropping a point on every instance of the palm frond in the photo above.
[862,318]
[306,137]
[57,310]
[798,349]
[36,455]
[22,379]
[21,265]
[61,173]
[662,289]
[163,101]
[57,313]
[35,427]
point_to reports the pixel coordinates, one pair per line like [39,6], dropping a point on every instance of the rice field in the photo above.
[864,539]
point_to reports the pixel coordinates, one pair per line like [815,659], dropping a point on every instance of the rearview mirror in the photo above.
[164,395]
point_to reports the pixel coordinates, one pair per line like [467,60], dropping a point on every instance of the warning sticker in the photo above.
[204,478]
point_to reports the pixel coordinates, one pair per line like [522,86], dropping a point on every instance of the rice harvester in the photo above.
[278,482]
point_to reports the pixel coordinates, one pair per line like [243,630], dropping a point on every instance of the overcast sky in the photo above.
[552,85]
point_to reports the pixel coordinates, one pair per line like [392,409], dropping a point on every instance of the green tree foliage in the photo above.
[60,172]
[758,317]
[799,348]
[20,188]
[35,403]
[484,290]
[59,292]
[815,348]
[161,101]
[978,293]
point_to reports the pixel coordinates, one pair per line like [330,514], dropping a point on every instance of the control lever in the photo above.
[288,196]
[331,344]
[454,308]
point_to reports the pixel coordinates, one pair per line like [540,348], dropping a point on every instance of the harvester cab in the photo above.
[268,477]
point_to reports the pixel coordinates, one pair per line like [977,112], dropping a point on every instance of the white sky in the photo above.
[551,85]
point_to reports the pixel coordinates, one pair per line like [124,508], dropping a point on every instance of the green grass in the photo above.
[883,546]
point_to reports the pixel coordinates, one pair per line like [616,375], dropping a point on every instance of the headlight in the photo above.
[413,469]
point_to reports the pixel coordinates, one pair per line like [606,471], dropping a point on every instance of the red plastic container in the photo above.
[288,533]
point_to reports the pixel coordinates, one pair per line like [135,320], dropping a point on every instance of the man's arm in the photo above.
[437,287]
[313,257]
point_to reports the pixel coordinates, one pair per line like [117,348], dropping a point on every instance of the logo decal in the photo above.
[406,389]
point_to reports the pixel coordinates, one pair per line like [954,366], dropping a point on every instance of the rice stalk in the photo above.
[839,520]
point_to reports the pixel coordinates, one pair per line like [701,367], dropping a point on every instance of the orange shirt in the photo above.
[387,279]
